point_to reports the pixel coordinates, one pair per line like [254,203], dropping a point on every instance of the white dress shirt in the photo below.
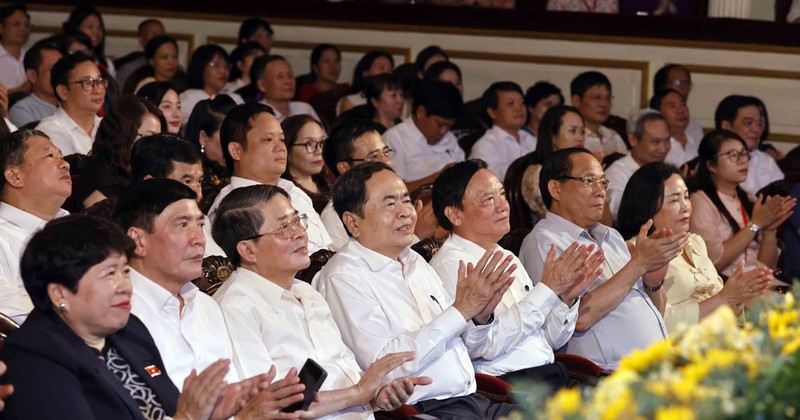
[12,71]
[634,324]
[605,140]
[414,158]
[532,317]
[190,340]
[334,226]
[762,172]
[190,98]
[499,149]
[318,237]
[295,108]
[678,155]
[16,228]
[271,325]
[66,134]
[695,130]
[385,306]
[618,175]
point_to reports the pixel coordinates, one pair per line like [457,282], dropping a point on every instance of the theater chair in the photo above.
[582,370]
[318,260]
[7,327]
[216,269]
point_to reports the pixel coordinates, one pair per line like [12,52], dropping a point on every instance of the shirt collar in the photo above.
[505,135]
[26,221]
[598,232]
[239,182]
[375,261]
[471,248]
[257,285]
[155,295]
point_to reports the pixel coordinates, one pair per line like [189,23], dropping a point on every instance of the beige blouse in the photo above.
[691,278]
[530,190]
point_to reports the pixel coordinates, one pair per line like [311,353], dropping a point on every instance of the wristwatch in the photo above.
[752,227]
[653,289]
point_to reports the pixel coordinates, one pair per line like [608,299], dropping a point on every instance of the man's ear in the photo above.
[454,215]
[13,177]
[246,251]
[32,75]
[139,237]
[61,92]
[554,188]
[343,167]
[633,140]
[492,113]
[261,85]
[576,100]
[235,149]
[726,125]
[350,221]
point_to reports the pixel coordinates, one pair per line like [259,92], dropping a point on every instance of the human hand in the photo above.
[5,390]
[569,274]
[394,394]
[375,377]
[743,286]
[479,285]
[275,396]
[771,212]
[655,252]
[201,392]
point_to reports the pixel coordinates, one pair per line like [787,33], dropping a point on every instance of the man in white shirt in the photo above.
[650,142]
[621,310]
[590,92]
[15,28]
[470,201]
[41,103]
[81,90]
[275,318]
[274,78]
[744,115]
[162,218]
[678,77]
[672,105]
[423,143]
[253,145]
[34,185]
[506,140]
[385,298]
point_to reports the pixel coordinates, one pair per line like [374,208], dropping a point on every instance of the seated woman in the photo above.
[538,99]
[384,99]
[305,137]
[694,289]
[161,54]
[163,95]
[208,72]
[242,58]
[108,169]
[203,132]
[371,64]
[734,227]
[87,20]
[326,67]
[81,355]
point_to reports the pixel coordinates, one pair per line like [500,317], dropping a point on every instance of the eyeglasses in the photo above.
[589,181]
[376,155]
[286,230]
[89,84]
[737,157]
[219,65]
[312,145]
[681,82]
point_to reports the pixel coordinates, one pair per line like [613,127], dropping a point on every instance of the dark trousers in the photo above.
[473,406]
[554,375]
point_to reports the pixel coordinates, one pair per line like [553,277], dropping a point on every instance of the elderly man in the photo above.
[683,146]
[254,149]
[622,310]
[385,298]
[81,90]
[506,140]
[424,144]
[41,103]
[470,201]
[678,77]
[274,317]
[650,142]
[273,77]
[33,187]
[590,92]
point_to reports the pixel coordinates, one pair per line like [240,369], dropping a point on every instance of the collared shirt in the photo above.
[414,158]
[190,98]
[190,340]
[618,174]
[605,140]
[634,324]
[12,72]
[16,228]
[678,155]
[295,108]
[499,149]
[30,109]
[66,134]
[271,325]
[695,130]
[762,172]
[532,317]
[318,237]
[385,306]
[334,226]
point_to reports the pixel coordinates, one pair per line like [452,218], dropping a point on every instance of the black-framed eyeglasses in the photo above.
[287,229]
[312,145]
[89,84]
[737,157]
[589,181]
[374,156]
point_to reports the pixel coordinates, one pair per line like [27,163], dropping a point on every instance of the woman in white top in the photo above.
[657,191]
[371,64]
[735,227]
[89,21]
[208,72]
[242,58]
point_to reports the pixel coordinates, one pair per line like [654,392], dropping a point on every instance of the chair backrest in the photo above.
[216,269]
[318,260]
[512,241]
[7,327]
[520,215]
[427,248]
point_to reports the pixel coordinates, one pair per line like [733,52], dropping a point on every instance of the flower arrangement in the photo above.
[715,369]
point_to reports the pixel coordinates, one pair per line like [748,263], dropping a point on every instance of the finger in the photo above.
[492,265]
[551,254]
[643,230]
[462,270]
[420,380]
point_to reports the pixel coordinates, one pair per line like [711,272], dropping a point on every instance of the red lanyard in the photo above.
[591,9]
[744,212]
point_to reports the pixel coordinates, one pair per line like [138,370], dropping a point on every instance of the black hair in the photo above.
[363,65]
[437,69]
[374,86]
[658,98]
[549,127]
[155,91]
[316,55]
[154,44]
[64,251]
[339,146]
[439,98]
[661,78]
[156,155]
[236,125]
[541,90]
[259,67]
[556,167]
[728,108]
[143,201]
[73,24]
[491,96]
[144,23]
[250,26]
[239,54]
[350,189]
[586,80]
[643,197]
[59,74]
[12,150]
[33,58]
[9,10]
[291,127]
[426,54]
[239,217]
[207,116]
[200,59]
[450,186]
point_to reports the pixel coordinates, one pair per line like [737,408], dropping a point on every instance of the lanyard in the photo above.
[744,213]
[591,9]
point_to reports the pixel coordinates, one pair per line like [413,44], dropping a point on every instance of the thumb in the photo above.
[643,230]
[551,254]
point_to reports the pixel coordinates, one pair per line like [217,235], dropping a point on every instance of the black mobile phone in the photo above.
[312,375]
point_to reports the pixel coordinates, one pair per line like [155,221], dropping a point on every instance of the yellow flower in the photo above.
[640,360]
[789,300]
[674,413]
[791,347]
[566,402]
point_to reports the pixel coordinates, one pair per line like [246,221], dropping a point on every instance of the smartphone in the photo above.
[312,375]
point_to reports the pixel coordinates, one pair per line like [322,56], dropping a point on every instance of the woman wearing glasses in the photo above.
[305,166]
[735,227]
[208,73]
[657,191]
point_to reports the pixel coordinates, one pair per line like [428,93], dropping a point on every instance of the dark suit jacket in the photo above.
[57,376]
